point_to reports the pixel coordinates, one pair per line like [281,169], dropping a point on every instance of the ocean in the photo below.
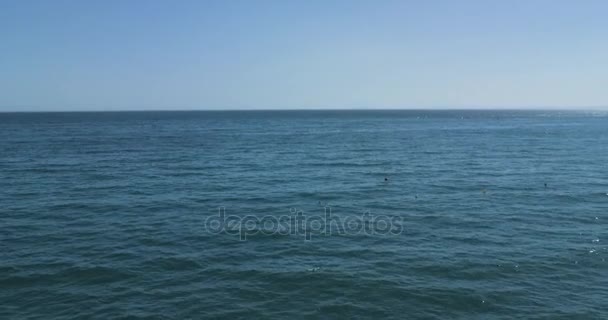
[304,215]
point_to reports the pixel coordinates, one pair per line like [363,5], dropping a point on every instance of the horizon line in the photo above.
[570,108]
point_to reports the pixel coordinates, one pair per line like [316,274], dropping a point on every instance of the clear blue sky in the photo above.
[114,55]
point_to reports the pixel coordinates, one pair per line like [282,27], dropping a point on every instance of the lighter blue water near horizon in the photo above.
[104,214]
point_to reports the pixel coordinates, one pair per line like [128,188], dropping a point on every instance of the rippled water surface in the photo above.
[502,214]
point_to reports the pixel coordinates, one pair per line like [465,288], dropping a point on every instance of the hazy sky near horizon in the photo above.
[115,55]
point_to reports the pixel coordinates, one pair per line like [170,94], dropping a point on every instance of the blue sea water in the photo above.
[500,215]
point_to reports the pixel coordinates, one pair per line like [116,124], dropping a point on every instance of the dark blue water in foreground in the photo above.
[104,215]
